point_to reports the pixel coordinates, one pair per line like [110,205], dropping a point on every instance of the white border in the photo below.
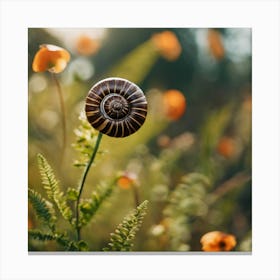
[262,16]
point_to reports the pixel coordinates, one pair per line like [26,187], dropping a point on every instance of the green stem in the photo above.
[63,114]
[81,186]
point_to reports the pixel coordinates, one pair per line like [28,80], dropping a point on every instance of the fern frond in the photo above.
[89,207]
[43,208]
[122,238]
[60,239]
[186,202]
[38,235]
[67,244]
[52,188]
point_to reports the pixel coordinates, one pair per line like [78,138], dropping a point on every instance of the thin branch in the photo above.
[234,182]
[63,114]
[81,186]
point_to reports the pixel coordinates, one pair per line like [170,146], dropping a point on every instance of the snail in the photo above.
[116,107]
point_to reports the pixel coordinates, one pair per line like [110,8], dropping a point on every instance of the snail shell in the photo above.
[116,107]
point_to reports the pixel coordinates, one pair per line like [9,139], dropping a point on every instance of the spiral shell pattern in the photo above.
[116,107]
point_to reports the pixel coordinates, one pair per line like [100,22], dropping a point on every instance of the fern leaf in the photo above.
[52,188]
[67,244]
[90,207]
[60,239]
[122,238]
[38,235]
[43,208]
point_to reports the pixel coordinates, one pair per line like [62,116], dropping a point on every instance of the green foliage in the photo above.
[43,208]
[38,235]
[90,206]
[72,194]
[136,65]
[61,239]
[70,245]
[211,131]
[86,137]
[246,243]
[186,202]
[122,238]
[214,127]
[45,211]
[52,188]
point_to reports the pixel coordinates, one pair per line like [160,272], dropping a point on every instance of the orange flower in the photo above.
[226,147]
[167,44]
[86,45]
[50,58]
[215,44]
[127,180]
[216,241]
[174,104]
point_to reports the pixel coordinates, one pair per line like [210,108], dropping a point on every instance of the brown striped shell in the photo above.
[116,107]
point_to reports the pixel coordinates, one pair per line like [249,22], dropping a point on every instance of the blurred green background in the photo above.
[210,143]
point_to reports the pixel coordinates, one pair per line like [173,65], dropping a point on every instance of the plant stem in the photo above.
[135,195]
[234,182]
[63,114]
[81,186]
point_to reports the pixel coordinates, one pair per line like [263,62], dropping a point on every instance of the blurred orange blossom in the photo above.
[86,45]
[167,44]
[174,104]
[126,180]
[215,43]
[226,147]
[50,58]
[163,141]
[216,241]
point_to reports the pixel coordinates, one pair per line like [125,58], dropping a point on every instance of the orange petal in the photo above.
[41,61]
[62,53]
[229,241]
[215,241]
